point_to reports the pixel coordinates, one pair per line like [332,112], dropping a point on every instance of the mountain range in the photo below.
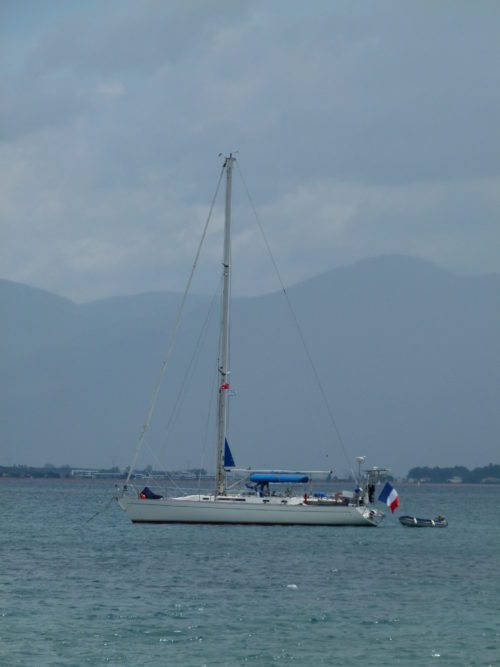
[407,356]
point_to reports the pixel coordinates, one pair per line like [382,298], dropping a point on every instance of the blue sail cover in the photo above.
[228,457]
[278,477]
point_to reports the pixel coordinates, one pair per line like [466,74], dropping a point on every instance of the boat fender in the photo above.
[305,498]
[142,496]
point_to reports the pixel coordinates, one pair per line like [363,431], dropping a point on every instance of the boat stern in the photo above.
[371,515]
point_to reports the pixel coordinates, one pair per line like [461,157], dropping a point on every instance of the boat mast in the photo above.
[224,350]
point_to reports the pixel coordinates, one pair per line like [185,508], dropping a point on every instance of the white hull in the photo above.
[193,509]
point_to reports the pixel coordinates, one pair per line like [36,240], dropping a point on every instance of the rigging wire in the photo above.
[188,376]
[297,324]
[187,379]
[103,509]
[158,458]
[172,337]
[211,398]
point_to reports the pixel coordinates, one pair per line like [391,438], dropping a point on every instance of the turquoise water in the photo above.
[112,593]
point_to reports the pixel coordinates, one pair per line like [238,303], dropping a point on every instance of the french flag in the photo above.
[389,496]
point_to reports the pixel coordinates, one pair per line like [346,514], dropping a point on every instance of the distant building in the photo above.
[83,472]
[455,480]
[92,474]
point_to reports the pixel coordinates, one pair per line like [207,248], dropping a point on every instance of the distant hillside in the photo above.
[408,355]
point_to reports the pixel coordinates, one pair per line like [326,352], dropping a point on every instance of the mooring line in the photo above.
[103,509]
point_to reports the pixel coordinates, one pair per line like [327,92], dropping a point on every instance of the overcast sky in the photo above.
[363,128]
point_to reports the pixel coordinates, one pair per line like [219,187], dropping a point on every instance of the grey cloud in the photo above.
[362,129]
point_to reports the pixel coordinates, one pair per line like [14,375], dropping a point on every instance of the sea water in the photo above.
[107,592]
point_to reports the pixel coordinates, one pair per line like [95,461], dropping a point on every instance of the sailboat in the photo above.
[258,502]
